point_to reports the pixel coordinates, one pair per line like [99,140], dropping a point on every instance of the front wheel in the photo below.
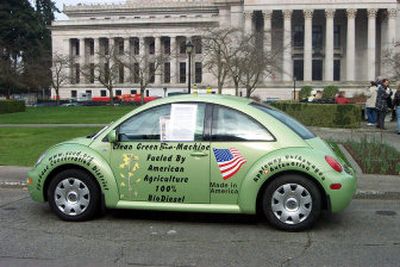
[291,203]
[74,195]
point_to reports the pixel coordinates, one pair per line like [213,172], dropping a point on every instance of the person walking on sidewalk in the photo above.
[396,105]
[370,103]
[382,103]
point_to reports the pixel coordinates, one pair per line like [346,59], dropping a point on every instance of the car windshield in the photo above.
[290,122]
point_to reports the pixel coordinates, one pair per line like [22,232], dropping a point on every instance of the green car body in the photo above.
[144,172]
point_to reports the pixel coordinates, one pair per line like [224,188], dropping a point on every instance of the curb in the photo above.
[360,194]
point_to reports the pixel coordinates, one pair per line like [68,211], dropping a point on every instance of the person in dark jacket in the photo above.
[382,103]
[396,104]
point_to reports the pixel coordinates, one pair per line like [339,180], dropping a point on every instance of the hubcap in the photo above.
[72,196]
[291,203]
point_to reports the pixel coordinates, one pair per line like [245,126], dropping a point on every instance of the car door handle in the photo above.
[199,154]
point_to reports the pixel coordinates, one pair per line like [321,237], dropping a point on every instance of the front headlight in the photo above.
[40,159]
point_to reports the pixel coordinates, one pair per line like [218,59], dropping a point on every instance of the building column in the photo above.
[82,59]
[308,15]
[142,53]
[127,53]
[329,53]
[248,22]
[391,32]
[173,59]
[351,44]
[372,43]
[158,54]
[96,57]
[287,64]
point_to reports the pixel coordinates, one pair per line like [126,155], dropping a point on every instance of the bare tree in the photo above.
[105,70]
[216,47]
[391,62]
[59,73]
[143,67]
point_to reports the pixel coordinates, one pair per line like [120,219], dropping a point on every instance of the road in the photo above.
[366,234]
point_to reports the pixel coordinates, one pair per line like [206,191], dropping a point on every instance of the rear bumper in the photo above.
[340,199]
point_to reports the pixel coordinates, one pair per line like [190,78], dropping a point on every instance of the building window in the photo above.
[73,94]
[198,68]
[91,46]
[74,47]
[133,92]
[147,93]
[182,72]
[103,93]
[77,70]
[104,46]
[136,73]
[118,92]
[317,37]
[317,70]
[167,72]
[298,36]
[120,46]
[136,46]
[182,47]
[197,45]
[336,70]
[91,73]
[298,69]
[89,93]
[106,72]
[336,37]
[167,46]
[121,73]
[151,47]
[152,72]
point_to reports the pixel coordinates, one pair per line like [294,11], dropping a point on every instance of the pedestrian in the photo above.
[371,93]
[341,98]
[390,103]
[381,104]
[396,105]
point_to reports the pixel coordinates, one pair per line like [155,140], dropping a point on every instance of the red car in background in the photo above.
[126,98]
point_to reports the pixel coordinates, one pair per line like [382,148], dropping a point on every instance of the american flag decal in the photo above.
[229,161]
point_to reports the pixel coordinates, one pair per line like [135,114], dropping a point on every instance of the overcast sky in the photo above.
[60,4]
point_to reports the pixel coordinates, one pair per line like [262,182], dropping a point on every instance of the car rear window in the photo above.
[290,122]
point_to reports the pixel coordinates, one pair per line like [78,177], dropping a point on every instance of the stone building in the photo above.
[321,42]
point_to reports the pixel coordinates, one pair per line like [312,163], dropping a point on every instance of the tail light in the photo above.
[334,163]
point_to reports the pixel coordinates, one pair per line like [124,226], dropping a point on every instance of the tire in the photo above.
[74,195]
[291,203]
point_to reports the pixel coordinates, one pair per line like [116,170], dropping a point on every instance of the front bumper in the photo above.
[35,187]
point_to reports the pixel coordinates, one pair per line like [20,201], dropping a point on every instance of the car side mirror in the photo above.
[112,137]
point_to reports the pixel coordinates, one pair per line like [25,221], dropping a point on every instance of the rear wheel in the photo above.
[74,195]
[291,203]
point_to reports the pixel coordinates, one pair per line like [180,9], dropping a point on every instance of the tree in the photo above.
[105,70]
[391,62]
[142,67]
[60,76]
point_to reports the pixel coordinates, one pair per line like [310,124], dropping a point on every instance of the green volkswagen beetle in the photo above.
[197,153]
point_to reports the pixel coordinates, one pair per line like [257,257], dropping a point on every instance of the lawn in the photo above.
[23,146]
[60,115]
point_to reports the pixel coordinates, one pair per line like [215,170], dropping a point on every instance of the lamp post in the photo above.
[294,87]
[189,50]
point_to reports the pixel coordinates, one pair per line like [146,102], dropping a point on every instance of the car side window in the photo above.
[153,124]
[232,125]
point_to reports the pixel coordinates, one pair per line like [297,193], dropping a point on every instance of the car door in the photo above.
[161,155]
[237,142]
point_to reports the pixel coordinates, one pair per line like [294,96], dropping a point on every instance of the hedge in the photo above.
[323,115]
[10,106]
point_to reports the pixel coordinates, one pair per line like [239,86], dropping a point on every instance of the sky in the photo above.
[60,3]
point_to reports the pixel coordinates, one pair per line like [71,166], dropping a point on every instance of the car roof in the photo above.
[210,98]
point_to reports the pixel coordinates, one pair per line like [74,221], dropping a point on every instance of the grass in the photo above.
[23,146]
[66,115]
[375,157]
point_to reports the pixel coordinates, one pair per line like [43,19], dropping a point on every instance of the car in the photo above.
[197,153]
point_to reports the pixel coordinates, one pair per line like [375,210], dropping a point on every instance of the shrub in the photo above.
[10,106]
[323,115]
[330,91]
[305,92]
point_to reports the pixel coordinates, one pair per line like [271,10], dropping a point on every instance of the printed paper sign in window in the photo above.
[181,124]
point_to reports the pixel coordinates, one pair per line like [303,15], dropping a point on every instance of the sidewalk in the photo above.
[369,186]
